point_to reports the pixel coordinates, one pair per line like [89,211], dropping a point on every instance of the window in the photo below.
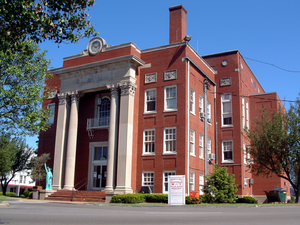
[201,184]
[150,100]
[103,111]
[100,153]
[170,140]
[201,146]
[170,98]
[192,142]
[245,152]
[166,180]
[208,145]
[192,103]
[51,107]
[247,114]
[192,181]
[208,113]
[227,151]
[24,179]
[200,105]
[21,179]
[148,180]
[226,108]
[243,111]
[149,141]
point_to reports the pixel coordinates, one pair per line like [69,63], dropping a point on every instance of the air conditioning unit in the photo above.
[202,115]
[212,156]
[251,181]
[209,120]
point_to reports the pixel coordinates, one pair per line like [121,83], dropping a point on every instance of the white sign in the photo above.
[176,190]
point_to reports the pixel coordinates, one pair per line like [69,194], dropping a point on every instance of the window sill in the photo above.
[193,155]
[169,153]
[193,113]
[170,110]
[148,154]
[149,112]
[201,158]
[226,126]
[227,161]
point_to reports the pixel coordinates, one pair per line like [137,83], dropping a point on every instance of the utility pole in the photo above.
[206,87]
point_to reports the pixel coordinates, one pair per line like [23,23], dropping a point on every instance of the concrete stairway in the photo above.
[78,196]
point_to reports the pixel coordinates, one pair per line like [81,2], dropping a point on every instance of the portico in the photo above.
[117,75]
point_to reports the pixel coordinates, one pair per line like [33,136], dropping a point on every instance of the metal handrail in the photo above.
[74,188]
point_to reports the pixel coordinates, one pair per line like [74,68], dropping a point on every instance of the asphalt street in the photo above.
[44,213]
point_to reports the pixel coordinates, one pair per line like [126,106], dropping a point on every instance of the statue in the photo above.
[48,178]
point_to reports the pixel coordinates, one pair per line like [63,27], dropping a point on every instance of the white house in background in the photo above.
[20,183]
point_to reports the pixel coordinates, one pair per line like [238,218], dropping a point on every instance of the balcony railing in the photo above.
[94,123]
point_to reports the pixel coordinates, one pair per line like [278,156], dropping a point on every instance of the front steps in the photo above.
[77,196]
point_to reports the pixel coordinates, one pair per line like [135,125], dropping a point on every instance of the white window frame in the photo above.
[192,101]
[201,184]
[192,181]
[170,98]
[201,146]
[247,114]
[243,111]
[103,116]
[150,97]
[170,141]
[166,175]
[227,114]
[208,113]
[150,180]
[51,106]
[245,152]
[200,105]
[223,151]
[149,142]
[208,146]
[192,142]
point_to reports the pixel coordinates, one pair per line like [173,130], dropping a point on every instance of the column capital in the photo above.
[75,96]
[127,88]
[62,97]
[114,89]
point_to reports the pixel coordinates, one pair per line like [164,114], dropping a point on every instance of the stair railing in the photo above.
[80,184]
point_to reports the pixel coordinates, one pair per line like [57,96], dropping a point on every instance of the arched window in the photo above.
[103,111]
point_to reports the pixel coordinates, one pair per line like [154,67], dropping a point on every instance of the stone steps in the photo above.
[79,196]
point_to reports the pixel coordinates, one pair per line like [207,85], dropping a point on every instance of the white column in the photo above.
[125,138]
[112,139]
[72,142]
[60,141]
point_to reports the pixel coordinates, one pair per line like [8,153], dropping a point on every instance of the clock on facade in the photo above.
[95,46]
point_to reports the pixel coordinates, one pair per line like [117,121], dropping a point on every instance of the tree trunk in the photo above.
[298,187]
[4,187]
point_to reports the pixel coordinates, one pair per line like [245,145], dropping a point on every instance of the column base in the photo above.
[68,187]
[123,190]
[56,187]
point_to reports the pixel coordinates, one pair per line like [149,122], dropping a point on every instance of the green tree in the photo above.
[39,20]
[275,139]
[23,73]
[38,172]
[14,157]
[219,186]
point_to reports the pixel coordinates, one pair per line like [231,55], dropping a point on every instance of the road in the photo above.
[44,213]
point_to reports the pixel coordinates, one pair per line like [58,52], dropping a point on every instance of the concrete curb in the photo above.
[4,204]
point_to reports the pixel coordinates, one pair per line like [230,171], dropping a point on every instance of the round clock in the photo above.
[95,46]
[225,62]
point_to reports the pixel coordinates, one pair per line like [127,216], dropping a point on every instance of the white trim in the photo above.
[170,152]
[143,181]
[223,160]
[192,142]
[168,171]
[222,110]
[165,98]
[201,140]
[192,101]
[144,142]
[145,102]
[51,116]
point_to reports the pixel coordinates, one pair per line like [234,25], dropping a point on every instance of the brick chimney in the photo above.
[177,23]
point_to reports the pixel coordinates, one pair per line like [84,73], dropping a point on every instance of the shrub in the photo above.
[1,193]
[27,194]
[11,194]
[220,186]
[128,198]
[189,200]
[157,198]
[207,198]
[249,199]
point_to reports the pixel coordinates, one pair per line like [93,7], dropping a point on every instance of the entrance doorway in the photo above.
[99,167]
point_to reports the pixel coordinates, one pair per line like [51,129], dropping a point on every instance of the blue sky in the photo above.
[263,30]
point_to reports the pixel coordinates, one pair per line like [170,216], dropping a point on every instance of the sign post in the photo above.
[176,190]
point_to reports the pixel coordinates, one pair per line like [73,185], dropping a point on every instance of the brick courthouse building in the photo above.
[124,118]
